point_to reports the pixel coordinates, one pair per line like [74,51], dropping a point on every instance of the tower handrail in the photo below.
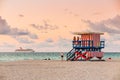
[70,54]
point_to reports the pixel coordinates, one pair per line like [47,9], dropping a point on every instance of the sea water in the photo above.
[15,56]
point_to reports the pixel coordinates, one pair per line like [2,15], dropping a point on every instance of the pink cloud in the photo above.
[6,29]
[45,26]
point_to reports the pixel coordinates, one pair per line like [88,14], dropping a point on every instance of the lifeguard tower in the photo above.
[86,46]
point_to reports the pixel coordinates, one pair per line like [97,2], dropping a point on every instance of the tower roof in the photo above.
[82,33]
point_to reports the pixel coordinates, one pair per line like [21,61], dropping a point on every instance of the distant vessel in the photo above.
[24,50]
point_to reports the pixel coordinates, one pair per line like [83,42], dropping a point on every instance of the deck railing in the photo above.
[87,44]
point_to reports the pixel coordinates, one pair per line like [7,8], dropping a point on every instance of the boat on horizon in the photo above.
[24,50]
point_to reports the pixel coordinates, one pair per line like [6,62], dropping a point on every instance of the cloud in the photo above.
[5,44]
[66,9]
[49,40]
[5,29]
[25,40]
[64,42]
[111,28]
[96,13]
[61,42]
[33,36]
[76,15]
[61,45]
[21,15]
[109,25]
[16,31]
[71,13]
[48,43]
[45,26]
[115,22]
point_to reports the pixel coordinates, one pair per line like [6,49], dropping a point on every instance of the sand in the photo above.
[60,70]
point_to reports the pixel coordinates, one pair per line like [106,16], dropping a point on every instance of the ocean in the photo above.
[15,56]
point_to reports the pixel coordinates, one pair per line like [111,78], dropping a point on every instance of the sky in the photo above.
[47,25]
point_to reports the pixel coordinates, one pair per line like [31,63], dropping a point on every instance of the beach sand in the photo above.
[60,70]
